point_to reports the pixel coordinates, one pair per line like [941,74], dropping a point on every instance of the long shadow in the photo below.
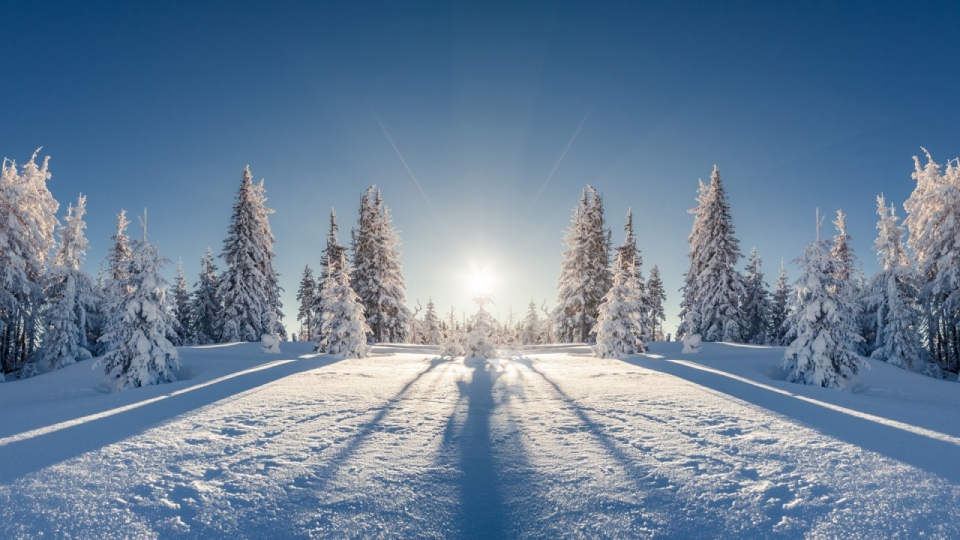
[41,451]
[932,455]
[481,512]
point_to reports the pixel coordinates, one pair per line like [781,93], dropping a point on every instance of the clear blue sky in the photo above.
[162,104]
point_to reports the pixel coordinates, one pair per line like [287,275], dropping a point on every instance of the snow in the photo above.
[549,443]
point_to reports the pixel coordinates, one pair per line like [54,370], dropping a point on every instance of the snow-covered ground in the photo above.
[551,443]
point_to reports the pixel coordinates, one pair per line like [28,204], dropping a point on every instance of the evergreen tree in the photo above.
[621,328]
[712,286]
[933,222]
[780,310]
[342,324]
[205,305]
[845,280]
[756,303]
[479,340]
[71,298]
[432,334]
[249,287]
[890,298]
[377,277]
[138,351]
[181,309]
[584,272]
[531,333]
[307,296]
[824,350]
[656,296]
[27,223]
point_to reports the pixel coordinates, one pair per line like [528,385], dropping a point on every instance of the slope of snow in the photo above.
[549,443]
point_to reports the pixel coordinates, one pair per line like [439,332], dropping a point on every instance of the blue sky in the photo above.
[162,104]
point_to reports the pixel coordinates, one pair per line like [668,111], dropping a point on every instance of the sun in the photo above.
[481,281]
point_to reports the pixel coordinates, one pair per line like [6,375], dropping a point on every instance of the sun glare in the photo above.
[481,281]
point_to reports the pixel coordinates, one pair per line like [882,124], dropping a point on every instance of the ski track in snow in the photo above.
[549,445]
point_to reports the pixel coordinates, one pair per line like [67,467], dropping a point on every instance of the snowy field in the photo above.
[551,443]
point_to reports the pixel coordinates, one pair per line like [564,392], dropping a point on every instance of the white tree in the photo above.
[27,223]
[479,342]
[891,300]
[584,272]
[70,298]
[181,308]
[342,324]
[620,327]
[307,295]
[205,305]
[432,334]
[531,333]
[712,286]
[656,296]
[139,352]
[780,310]
[378,273]
[756,303]
[249,287]
[824,350]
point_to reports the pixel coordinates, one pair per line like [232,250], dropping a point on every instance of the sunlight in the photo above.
[481,281]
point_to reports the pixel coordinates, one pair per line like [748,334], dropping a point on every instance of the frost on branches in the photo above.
[205,304]
[249,287]
[756,303]
[824,350]
[307,296]
[432,334]
[482,327]
[656,296]
[342,325]
[584,272]
[378,273]
[27,223]
[780,310]
[712,286]
[181,308]
[531,332]
[139,352]
[620,327]
[890,300]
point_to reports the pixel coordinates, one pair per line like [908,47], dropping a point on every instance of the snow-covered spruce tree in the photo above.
[756,303]
[205,305]
[249,287]
[27,223]
[71,297]
[824,352]
[933,221]
[584,272]
[891,300]
[780,310]
[620,328]
[431,332]
[479,340]
[342,324]
[846,279]
[378,273]
[139,352]
[181,308]
[531,332]
[656,296]
[307,295]
[712,286]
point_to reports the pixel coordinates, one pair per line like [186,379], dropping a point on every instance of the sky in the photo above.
[160,105]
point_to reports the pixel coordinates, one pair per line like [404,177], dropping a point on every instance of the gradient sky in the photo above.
[162,104]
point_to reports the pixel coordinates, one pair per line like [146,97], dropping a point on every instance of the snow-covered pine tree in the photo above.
[584,272]
[181,308]
[138,351]
[249,287]
[891,300]
[621,327]
[342,325]
[756,303]
[933,221]
[712,286]
[656,296]
[205,305]
[378,273]
[531,333]
[846,280]
[307,296]
[479,340]
[780,310]
[824,352]
[432,334]
[27,223]
[70,298]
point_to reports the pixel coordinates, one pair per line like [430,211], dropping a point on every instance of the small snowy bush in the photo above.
[270,343]
[692,344]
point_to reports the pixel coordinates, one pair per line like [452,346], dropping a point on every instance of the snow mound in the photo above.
[269,344]
[692,344]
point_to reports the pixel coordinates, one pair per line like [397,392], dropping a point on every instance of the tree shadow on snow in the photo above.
[37,452]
